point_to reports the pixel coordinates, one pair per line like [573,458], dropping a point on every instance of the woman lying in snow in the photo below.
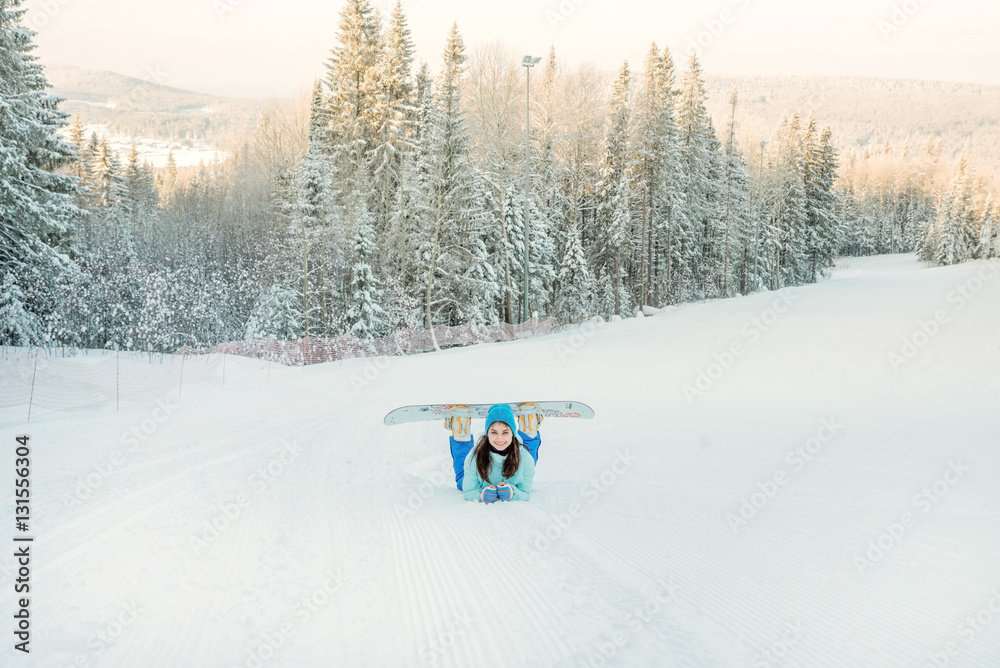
[496,468]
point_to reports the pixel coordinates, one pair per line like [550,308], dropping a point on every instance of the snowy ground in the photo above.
[154,151]
[819,503]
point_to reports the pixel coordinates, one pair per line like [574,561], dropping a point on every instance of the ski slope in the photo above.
[763,485]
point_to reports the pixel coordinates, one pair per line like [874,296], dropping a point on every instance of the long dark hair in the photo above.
[511,462]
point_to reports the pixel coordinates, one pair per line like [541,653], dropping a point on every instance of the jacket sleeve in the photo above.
[472,484]
[522,489]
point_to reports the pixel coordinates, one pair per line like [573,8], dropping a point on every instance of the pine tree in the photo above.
[507,249]
[82,160]
[406,223]
[352,79]
[786,199]
[613,238]
[576,284]
[953,237]
[648,160]
[109,182]
[481,287]
[619,238]
[424,104]
[819,165]
[277,315]
[554,204]
[989,238]
[736,212]
[699,150]
[391,108]
[458,282]
[37,213]
[18,326]
[607,299]
[542,272]
[399,52]
[669,196]
[139,190]
[314,219]
[116,293]
[169,183]
[366,316]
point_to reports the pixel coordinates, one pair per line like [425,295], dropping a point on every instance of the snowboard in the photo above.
[547,409]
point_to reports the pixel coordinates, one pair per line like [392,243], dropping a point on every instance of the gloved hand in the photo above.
[489,495]
[504,492]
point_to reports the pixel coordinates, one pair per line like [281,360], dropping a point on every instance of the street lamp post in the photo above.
[528,63]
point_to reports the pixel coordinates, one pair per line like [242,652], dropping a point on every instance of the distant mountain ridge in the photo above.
[144,108]
[867,112]
[861,112]
[104,87]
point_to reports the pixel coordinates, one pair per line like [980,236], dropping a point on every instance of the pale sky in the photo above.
[276,48]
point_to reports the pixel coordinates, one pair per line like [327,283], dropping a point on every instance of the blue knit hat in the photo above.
[501,413]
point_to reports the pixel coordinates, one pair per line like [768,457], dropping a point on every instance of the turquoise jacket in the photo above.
[473,485]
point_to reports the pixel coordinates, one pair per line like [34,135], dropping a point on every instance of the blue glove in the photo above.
[489,495]
[504,492]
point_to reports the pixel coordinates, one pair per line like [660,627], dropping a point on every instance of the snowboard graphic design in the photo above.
[547,409]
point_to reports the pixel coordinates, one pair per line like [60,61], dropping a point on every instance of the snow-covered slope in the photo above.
[798,479]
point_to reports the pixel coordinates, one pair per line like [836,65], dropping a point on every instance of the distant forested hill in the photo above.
[143,108]
[861,112]
[867,112]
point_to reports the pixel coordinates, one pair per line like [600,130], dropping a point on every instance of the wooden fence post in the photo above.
[180,387]
[31,397]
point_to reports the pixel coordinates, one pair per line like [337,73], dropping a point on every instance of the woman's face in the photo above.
[499,435]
